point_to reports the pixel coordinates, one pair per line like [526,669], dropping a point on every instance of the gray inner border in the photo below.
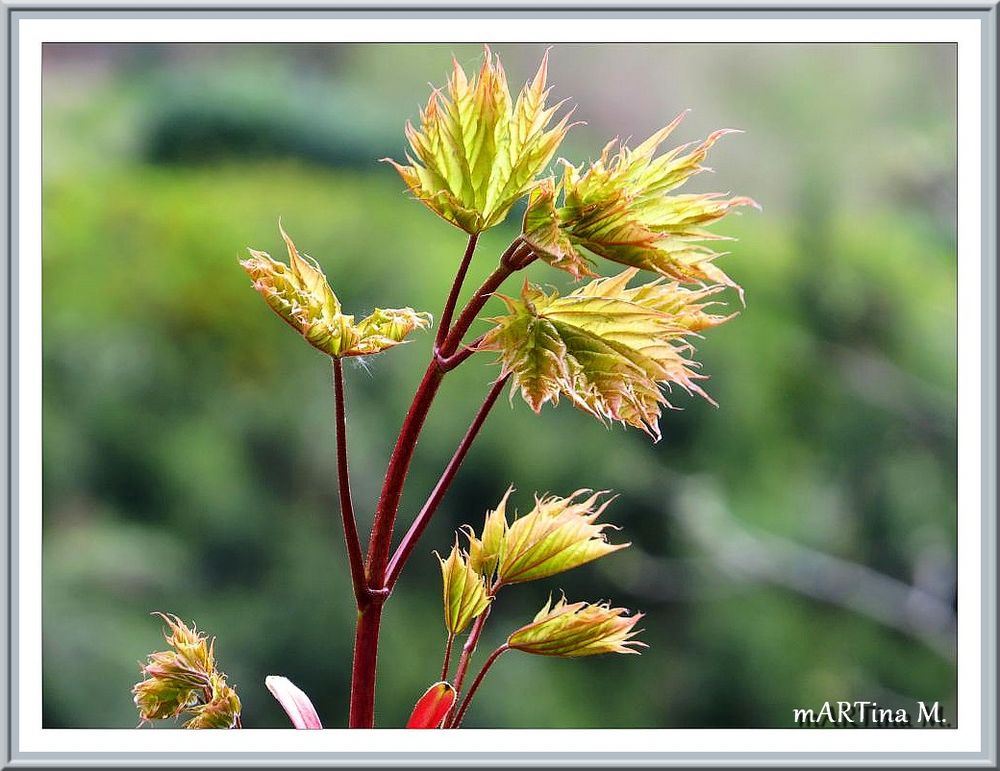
[986,12]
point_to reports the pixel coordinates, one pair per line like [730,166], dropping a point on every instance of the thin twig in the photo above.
[457,723]
[420,522]
[444,324]
[466,658]
[464,352]
[354,556]
[447,656]
[402,453]
[745,554]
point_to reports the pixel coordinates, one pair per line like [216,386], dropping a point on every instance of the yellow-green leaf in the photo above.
[184,678]
[300,294]
[619,208]
[611,350]
[221,711]
[466,594]
[485,552]
[548,240]
[578,629]
[476,152]
[557,535]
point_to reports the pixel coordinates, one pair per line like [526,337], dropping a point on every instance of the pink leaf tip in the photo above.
[296,704]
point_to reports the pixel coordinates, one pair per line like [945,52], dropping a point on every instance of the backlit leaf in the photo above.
[300,294]
[466,594]
[484,552]
[548,240]
[610,349]
[619,208]
[476,152]
[578,629]
[184,678]
[557,535]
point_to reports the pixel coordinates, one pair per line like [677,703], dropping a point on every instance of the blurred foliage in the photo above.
[188,438]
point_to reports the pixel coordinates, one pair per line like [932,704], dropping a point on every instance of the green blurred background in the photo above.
[794,546]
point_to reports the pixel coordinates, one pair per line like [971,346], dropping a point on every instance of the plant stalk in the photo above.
[354,556]
[444,324]
[508,264]
[447,656]
[475,684]
[395,475]
[362,713]
[465,351]
[406,443]
[466,658]
[422,519]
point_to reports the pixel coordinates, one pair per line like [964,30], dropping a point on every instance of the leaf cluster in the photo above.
[607,347]
[557,535]
[185,679]
[301,296]
[477,151]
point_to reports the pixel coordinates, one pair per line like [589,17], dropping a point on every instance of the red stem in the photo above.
[444,325]
[395,475]
[422,519]
[366,637]
[450,362]
[362,713]
[509,262]
[447,656]
[465,659]
[475,685]
[354,556]
[406,444]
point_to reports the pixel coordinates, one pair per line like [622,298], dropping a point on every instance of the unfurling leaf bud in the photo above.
[558,534]
[465,592]
[477,151]
[580,629]
[387,327]
[619,208]
[611,349]
[222,711]
[540,230]
[300,294]
[484,553]
[185,678]
[432,707]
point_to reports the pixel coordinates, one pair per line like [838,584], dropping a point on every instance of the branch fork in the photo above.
[375,576]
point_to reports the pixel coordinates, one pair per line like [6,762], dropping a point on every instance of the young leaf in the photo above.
[618,208]
[484,553]
[300,294]
[297,706]
[607,348]
[476,153]
[221,711]
[542,232]
[580,629]
[557,535]
[185,679]
[465,592]
[432,707]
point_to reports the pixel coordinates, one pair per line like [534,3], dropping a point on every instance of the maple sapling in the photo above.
[611,347]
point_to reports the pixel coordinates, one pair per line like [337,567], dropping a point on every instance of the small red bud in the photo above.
[432,707]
